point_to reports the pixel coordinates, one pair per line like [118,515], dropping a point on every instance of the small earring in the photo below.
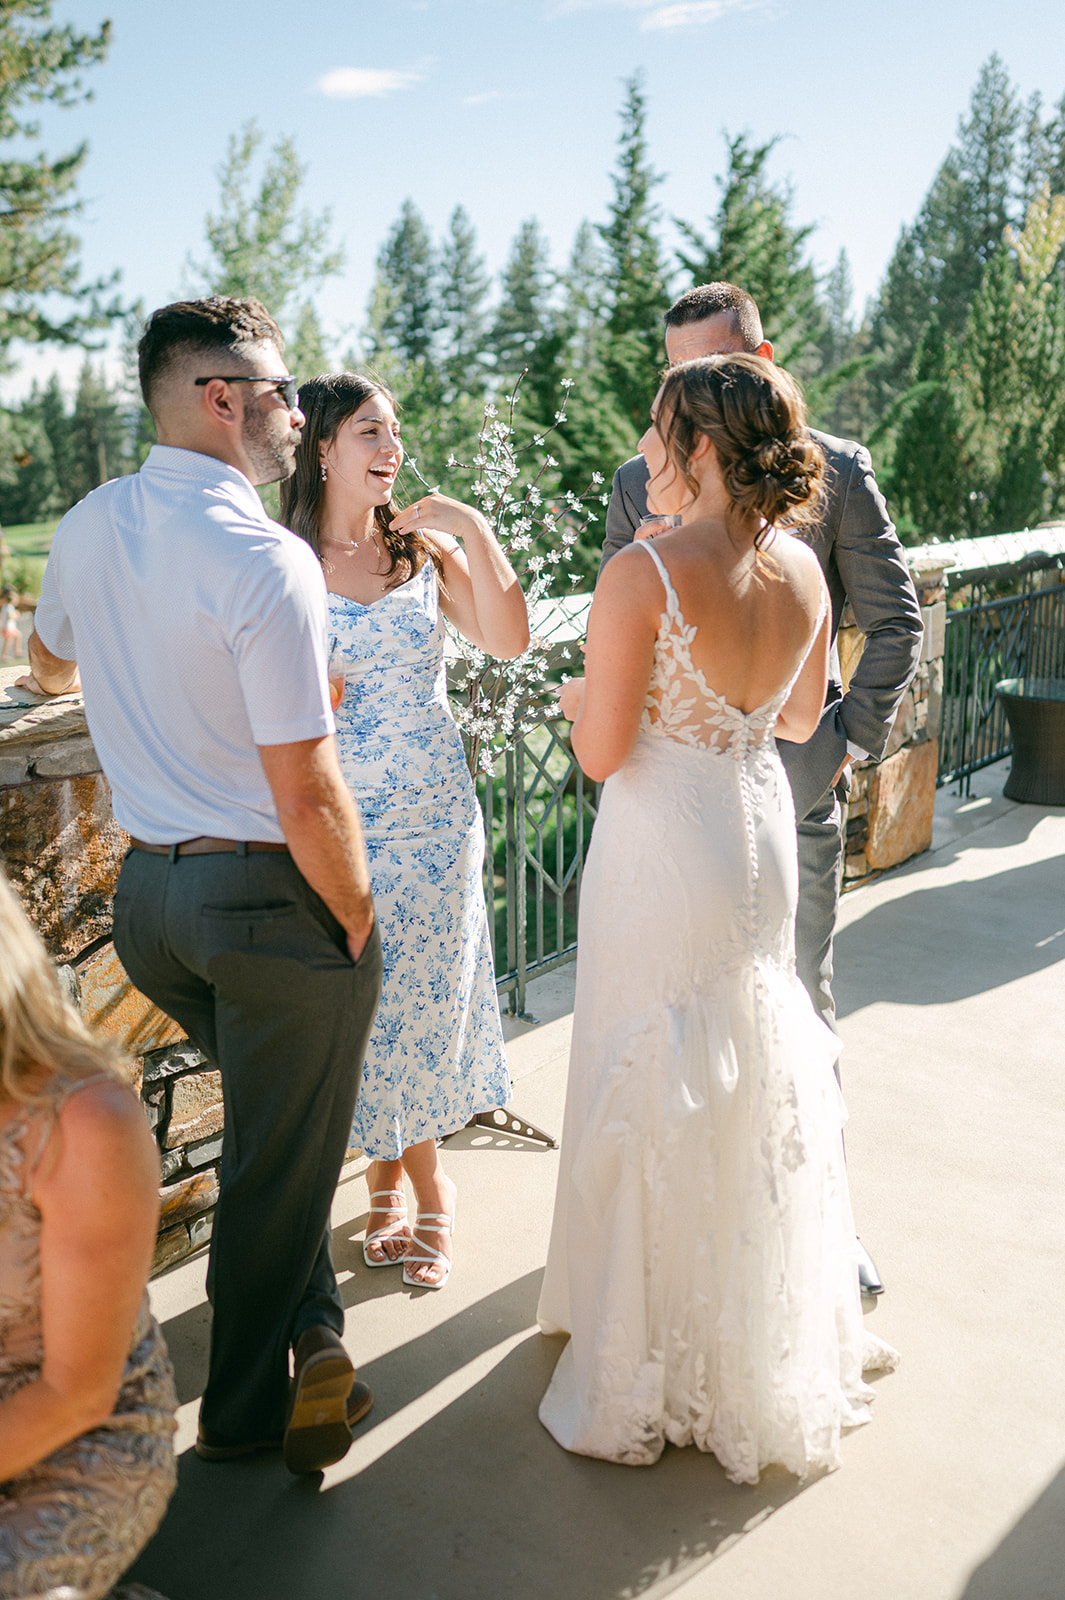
[324,472]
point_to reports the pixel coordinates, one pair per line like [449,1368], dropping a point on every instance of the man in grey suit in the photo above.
[860,555]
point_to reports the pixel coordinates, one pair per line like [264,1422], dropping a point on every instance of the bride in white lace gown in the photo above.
[702,1252]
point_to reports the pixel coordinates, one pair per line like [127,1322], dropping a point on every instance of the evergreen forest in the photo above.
[953,374]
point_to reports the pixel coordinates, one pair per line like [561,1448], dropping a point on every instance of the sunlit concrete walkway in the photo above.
[950,986]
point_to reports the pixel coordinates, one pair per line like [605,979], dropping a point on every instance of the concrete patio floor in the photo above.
[950,989]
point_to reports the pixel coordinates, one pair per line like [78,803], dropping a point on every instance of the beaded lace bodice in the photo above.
[681,705]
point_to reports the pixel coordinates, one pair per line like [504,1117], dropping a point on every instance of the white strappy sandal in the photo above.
[432,1222]
[379,1235]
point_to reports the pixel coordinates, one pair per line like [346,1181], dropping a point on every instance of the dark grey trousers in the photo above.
[820,840]
[254,966]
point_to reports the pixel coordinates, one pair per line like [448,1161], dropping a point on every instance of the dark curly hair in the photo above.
[218,325]
[326,402]
[754,416]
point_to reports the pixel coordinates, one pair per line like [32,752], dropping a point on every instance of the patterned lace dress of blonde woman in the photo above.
[702,1252]
[72,1524]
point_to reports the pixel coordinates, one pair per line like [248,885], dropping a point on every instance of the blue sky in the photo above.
[511,108]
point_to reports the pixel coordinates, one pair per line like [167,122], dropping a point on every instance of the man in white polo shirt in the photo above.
[243,908]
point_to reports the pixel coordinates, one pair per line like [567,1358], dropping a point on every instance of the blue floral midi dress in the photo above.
[435,1056]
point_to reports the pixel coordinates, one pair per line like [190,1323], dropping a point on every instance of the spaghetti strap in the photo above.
[663,573]
[82,1083]
[58,1101]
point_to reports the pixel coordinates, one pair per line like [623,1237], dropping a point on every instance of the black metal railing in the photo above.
[538,810]
[1021,636]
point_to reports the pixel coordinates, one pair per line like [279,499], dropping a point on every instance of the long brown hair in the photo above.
[326,402]
[41,1035]
[753,414]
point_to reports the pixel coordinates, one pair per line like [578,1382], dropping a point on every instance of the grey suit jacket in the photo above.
[862,560]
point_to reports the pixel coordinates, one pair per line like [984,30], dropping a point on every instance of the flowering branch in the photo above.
[498,701]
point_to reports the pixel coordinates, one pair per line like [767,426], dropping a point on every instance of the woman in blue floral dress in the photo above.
[435,1056]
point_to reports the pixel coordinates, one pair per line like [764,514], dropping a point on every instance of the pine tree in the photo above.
[403,302]
[639,296]
[1055,138]
[584,298]
[1035,150]
[97,433]
[140,429]
[1020,381]
[981,447]
[938,264]
[926,480]
[38,252]
[462,316]
[306,354]
[52,414]
[260,242]
[836,393]
[754,243]
[29,491]
[400,339]
[837,295]
[597,434]
[523,316]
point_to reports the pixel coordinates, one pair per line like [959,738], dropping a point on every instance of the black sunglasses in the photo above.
[287,388]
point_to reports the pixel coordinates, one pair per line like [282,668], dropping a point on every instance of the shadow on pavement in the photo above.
[1030,1561]
[408,1371]
[477,1504]
[944,943]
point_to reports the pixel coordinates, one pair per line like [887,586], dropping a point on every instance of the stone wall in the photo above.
[62,849]
[891,803]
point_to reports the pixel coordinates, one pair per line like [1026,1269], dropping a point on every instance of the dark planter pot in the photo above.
[1035,710]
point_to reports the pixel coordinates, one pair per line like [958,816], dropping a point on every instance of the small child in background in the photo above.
[9,628]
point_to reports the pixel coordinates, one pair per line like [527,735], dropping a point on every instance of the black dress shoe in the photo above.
[868,1277]
[317,1431]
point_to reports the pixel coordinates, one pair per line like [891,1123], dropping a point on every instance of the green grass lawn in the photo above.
[29,544]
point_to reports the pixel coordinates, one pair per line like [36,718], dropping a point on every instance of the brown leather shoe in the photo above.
[210,1448]
[317,1431]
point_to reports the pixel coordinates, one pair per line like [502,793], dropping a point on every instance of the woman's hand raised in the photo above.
[480,595]
[440,514]
[570,697]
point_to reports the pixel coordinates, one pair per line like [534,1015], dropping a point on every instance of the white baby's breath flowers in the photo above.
[496,702]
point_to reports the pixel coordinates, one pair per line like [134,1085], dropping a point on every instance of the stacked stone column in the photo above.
[62,849]
[891,803]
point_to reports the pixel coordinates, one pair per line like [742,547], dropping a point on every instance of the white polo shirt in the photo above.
[199,627]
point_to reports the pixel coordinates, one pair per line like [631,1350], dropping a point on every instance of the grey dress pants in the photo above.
[242,952]
[820,840]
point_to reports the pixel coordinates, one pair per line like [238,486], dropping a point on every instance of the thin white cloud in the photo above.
[658,17]
[482,99]
[689,13]
[363,83]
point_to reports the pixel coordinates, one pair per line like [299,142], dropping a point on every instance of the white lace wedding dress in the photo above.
[702,1252]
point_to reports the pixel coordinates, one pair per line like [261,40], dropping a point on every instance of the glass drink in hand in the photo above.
[652,525]
[336,674]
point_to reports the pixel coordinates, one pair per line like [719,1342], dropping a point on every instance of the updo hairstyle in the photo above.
[326,402]
[754,416]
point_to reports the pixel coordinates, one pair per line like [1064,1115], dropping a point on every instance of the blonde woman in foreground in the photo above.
[87,1398]
[702,1256]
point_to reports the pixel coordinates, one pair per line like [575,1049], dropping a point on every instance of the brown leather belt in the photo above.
[205,847]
